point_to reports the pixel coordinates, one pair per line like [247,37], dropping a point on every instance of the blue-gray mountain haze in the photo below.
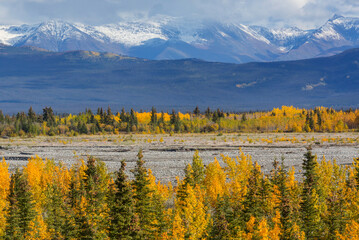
[73,81]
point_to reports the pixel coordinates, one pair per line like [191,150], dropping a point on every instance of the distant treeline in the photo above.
[45,200]
[286,119]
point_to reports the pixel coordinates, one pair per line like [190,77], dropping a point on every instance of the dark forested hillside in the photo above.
[72,81]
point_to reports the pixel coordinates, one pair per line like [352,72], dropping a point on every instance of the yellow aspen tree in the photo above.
[39,178]
[250,227]
[193,212]
[351,231]
[214,182]
[4,189]
[275,232]
[38,230]
[238,170]
[262,232]
[159,195]
[178,231]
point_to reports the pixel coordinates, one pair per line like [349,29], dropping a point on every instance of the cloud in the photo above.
[301,13]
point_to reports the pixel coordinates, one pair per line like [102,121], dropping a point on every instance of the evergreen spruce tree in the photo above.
[309,211]
[309,120]
[48,116]
[74,218]
[253,202]
[57,213]
[244,117]
[177,123]
[123,224]
[2,118]
[335,219]
[208,113]
[196,111]
[284,206]
[162,118]
[215,116]
[133,119]
[20,211]
[142,196]
[153,117]
[319,120]
[94,223]
[221,228]
[173,117]
[198,169]
[31,115]
[123,115]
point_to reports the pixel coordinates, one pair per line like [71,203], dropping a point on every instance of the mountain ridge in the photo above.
[174,38]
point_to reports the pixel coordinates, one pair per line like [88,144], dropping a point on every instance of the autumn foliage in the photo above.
[231,198]
[285,119]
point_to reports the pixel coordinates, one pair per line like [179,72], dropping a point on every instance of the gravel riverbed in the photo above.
[168,155]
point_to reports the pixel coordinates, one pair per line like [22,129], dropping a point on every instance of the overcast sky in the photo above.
[271,13]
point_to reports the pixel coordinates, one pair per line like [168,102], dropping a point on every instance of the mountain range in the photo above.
[164,38]
[75,80]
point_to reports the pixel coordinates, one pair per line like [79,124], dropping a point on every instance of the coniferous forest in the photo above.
[104,121]
[233,200]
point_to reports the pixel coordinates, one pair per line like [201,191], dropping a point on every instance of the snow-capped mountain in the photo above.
[174,38]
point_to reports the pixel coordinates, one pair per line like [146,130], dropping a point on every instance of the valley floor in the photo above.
[168,155]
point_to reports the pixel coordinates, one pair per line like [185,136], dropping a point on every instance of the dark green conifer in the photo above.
[58,213]
[198,169]
[133,119]
[196,111]
[20,211]
[153,117]
[309,211]
[122,218]
[173,117]
[244,117]
[284,206]
[31,115]
[221,228]
[142,196]
[48,116]
[253,200]
[208,113]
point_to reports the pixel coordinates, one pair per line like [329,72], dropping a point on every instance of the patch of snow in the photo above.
[131,34]
[253,33]
[7,37]
[285,33]
[327,32]
[283,49]
[223,34]
[60,30]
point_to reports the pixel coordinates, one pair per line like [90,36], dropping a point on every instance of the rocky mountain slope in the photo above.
[173,38]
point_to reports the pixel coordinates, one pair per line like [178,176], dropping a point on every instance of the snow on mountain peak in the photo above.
[187,37]
[253,33]
[6,36]
[337,28]
[327,32]
[131,34]
[335,17]
[59,29]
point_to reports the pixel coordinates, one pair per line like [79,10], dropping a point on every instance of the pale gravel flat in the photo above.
[167,155]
